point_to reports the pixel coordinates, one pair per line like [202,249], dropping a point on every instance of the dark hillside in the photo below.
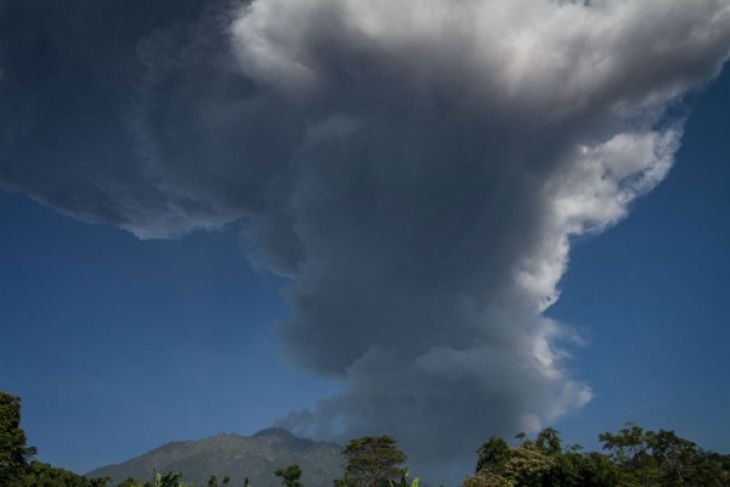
[255,457]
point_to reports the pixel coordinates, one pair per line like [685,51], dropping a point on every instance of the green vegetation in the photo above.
[14,454]
[404,481]
[372,461]
[16,469]
[167,479]
[634,457]
[290,475]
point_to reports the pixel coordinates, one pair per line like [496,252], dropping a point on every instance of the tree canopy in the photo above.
[372,461]
[290,475]
[14,454]
[636,458]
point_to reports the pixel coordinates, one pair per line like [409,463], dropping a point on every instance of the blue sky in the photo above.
[117,345]
[420,209]
[652,296]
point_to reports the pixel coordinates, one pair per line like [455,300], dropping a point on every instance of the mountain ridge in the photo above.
[255,457]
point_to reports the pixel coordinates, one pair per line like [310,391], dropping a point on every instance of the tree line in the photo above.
[634,457]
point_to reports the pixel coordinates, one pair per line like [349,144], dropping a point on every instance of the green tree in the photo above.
[404,481]
[541,462]
[548,440]
[372,461]
[213,481]
[572,469]
[167,479]
[630,450]
[493,455]
[486,479]
[41,474]
[159,479]
[528,465]
[290,475]
[649,458]
[14,454]
[15,469]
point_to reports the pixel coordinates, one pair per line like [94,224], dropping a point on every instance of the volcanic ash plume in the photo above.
[449,151]
[417,169]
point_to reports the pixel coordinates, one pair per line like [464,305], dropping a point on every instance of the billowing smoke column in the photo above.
[417,168]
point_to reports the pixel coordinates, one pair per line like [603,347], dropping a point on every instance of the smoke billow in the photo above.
[417,168]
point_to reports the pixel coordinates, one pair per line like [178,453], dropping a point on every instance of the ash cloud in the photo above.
[416,168]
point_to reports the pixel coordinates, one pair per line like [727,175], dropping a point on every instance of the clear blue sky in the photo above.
[653,293]
[117,345]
